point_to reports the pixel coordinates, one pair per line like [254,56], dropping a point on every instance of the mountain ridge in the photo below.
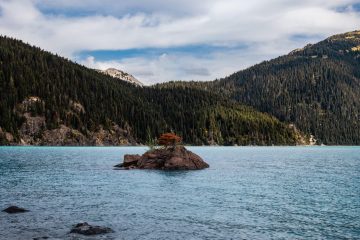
[48,100]
[316,87]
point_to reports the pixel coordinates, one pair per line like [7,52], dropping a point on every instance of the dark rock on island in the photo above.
[87,229]
[14,209]
[130,160]
[166,158]
[120,165]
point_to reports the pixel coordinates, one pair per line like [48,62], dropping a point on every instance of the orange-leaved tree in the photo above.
[169,139]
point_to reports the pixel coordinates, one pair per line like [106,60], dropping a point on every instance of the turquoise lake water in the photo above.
[247,193]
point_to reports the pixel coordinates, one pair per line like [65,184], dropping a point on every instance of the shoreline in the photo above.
[145,146]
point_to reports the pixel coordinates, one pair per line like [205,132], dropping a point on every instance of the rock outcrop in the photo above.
[116,73]
[87,229]
[14,209]
[34,129]
[169,158]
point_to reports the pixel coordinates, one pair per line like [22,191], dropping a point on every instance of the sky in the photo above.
[166,40]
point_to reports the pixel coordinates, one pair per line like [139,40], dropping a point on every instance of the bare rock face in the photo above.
[116,73]
[131,160]
[63,136]
[35,131]
[113,136]
[32,125]
[87,229]
[171,158]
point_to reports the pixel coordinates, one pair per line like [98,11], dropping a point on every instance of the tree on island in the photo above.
[169,139]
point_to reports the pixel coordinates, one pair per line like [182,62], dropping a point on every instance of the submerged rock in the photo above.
[87,229]
[169,158]
[46,237]
[14,209]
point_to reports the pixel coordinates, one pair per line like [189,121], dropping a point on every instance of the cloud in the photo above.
[202,66]
[267,27]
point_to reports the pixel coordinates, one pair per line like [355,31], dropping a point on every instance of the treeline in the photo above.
[317,88]
[199,116]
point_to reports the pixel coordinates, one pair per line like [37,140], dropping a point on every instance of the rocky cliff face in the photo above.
[34,131]
[122,76]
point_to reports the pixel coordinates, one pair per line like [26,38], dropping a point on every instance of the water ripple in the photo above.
[247,193]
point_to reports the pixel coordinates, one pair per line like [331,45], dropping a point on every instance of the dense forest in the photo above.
[317,88]
[42,92]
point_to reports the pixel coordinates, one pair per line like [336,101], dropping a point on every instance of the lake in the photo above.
[247,193]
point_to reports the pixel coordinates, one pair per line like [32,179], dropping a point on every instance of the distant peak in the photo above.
[116,73]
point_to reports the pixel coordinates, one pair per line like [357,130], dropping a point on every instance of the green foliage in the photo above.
[196,114]
[3,140]
[317,88]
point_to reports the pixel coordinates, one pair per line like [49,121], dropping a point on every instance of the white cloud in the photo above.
[187,66]
[267,26]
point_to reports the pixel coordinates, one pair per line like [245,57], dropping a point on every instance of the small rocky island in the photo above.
[170,156]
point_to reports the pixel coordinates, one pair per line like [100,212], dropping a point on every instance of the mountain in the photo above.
[115,73]
[48,100]
[317,88]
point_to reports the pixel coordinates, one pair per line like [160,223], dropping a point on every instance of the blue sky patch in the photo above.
[198,51]
[65,12]
[90,11]
[345,8]
[356,7]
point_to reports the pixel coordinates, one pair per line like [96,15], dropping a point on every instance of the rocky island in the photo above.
[170,156]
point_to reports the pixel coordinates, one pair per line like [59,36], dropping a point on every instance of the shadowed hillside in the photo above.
[317,88]
[49,100]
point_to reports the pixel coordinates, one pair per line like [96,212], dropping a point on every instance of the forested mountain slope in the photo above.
[48,100]
[317,88]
